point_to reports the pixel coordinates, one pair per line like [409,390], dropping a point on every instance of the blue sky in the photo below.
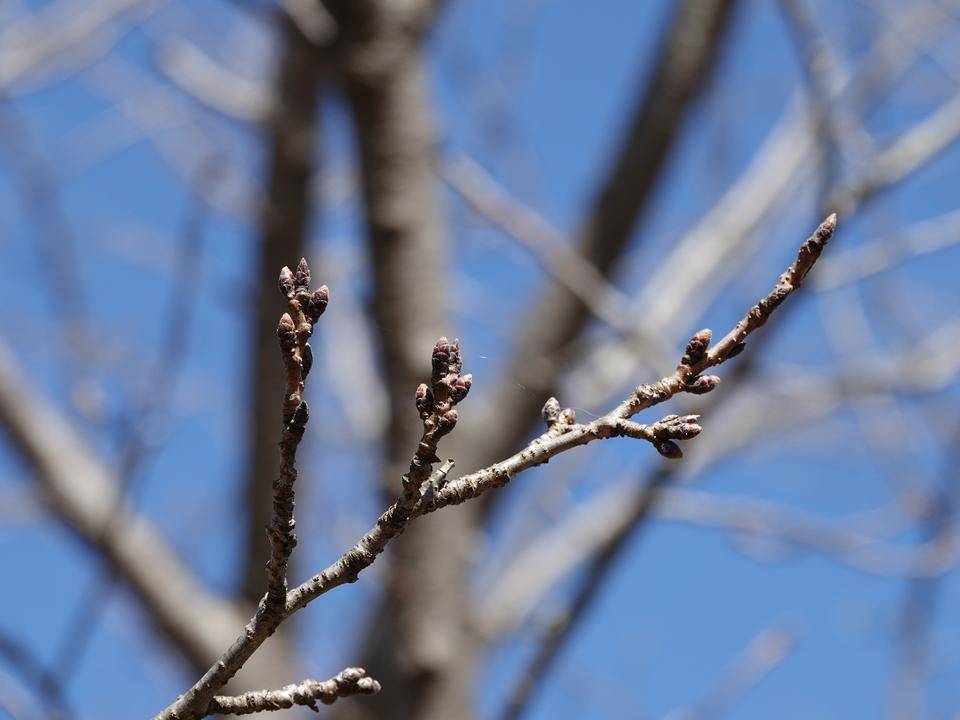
[538,93]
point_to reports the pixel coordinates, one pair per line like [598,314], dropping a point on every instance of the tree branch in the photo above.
[352,681]
[291,128]
[563,433]
[688,53]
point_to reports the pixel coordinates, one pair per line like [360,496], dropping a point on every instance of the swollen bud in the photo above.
[456,364]
[424,400]
[286,333]
[440,358]
[318,303]
[303,273]
[461,387]
[550,411]
[703,384]
[696,349]
[286,283]
[447,421]
[669,449]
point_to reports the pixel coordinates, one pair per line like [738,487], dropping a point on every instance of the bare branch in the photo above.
[884,253]
[292,133]
[60,31]
[77,488]
[690,46]
[562,261]
[762,655]
[293,332]
[562,435]
[352,681]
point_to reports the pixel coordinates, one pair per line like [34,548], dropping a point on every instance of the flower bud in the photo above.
[461,387]
[424,400]
[703,384]
[303,273]
[317,303]
[286,283]
[669,449]
[447,421]
[696,349]
[550,411]
[286,333]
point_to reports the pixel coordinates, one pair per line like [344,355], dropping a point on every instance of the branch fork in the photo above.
[436,404]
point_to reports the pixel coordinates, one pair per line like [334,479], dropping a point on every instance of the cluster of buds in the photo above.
[293,333]
[436,402]
[694,356]
[559,420]
[674,427]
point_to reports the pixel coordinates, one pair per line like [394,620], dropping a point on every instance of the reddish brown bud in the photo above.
[424,399]
[703,384]
[461,387]
[286,284]
[303,273]
[669,449]
[455,363]
[307,359]
[696,349]
[447,421]
[317,303]
[286,333]
[550,411]
[440,359]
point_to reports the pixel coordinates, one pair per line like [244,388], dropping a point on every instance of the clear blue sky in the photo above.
[537,92]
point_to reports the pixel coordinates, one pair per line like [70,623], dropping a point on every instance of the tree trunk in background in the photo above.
[415,642]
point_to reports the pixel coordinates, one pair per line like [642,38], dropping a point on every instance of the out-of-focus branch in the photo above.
[560,260]
[905,156]
[425,491]
[764,653]
[706,258]
[78,489]
[44,683]
[884,253]
[352,681]
[62,33]
[207,81]
[557,554]
[150,409]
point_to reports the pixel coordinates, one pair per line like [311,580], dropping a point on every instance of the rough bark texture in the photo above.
[283,229]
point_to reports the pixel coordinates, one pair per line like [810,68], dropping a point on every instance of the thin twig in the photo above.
[351,681]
